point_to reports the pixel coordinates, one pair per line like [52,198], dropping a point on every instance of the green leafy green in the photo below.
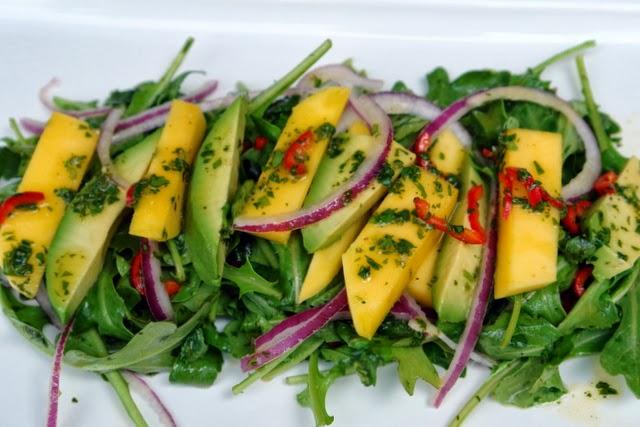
[293,262]
[621,354]
[531,383]
[22,318]
[413,364]
[248,281]
[594,310]
[318,384]
[196,364]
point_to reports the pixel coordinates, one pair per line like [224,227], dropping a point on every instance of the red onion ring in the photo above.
[339,74]
[155,117]
[35,127]
[581,183]
[154,291]
[344,194]
[104,147]
[349,116]
[42,298]
[54,387]
[45,99]
[479,304]
[298,328]
[407,103]
[140,386]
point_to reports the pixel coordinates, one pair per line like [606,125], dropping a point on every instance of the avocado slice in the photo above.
[458,264]
[77,252]
[335,168]
[214,181]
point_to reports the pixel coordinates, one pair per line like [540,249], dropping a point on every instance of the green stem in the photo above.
[297,379]
[301,353]
[116,380]
[166,78]
[177,260]
[513,321]
[256,375]
[592,109]
[265,98]
[267,251]
[486,389]
[538,69]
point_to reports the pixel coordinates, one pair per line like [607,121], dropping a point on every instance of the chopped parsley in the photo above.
[325,131]
[336,145]
[96,194]
[151,185]
[388,245]
[372,263]
[539,169]
[385,175]
[16,261]
[604,389]
[66,194]
[391,216]
[364,272]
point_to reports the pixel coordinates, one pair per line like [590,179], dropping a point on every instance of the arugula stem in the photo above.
[116,380]
[177,260]
[257,375]
[302,352]
[260,103]
[538,69]
[610,156]
[626,285]
[267,251]
[296,379]
[513,321]
[489,385]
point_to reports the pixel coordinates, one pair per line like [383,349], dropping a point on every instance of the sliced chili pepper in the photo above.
[17,200]
[135,273]
[580,281]
[472,237]
[296,154]
[172,287]
[605,183]
[487,153]
[420,147]
[535,192]
[574,212]
[507,178]
[131,196]
[260,143]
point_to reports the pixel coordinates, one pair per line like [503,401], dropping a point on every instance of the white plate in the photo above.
[94,48]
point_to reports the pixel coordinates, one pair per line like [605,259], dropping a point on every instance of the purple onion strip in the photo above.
[54,388]
[140,386]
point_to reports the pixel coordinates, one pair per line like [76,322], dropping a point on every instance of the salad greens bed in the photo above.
[528,336]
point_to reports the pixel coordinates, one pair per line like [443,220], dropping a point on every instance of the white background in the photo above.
[97,46]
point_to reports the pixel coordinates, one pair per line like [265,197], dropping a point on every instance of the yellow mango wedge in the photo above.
[158,211]
[326,263]
[58,165]
[278,190]
[448,156]
[528,240]
[378,265]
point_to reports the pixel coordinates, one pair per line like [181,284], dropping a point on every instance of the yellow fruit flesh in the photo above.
[158,212]
[377,266]
[326,263]
[59,161]
[528,240]
[279,191]
[447,155]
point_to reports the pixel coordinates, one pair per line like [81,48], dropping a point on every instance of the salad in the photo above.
[328,221]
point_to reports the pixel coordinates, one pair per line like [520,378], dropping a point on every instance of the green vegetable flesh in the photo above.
[74,260]
[214,181]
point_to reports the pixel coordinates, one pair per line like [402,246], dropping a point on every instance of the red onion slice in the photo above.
[349,116]
[155,117]
[300,327]
[154,291]
[367,172]
[406,103]
[54,387]
[104,147]
[141,387]
[406,308]
[45,99]
[581,183]
[339,74]
[42,298]
[35,127]
[479,304]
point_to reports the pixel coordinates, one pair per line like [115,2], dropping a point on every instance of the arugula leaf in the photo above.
[73,105]
[621,354]
[105,308]
[413,363]
[195,364]
[293,262]
[153,340]
[594,310]
[13,310]
[532,336]
[406,128]
[546,304]
[248,281]
[581,343]
[315,394]
[9,163]
[533,382]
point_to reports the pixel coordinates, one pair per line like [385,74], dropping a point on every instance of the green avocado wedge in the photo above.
[213,182]
[458,265]
[77,252]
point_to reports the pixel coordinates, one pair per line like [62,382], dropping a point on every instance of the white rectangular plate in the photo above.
[95,48]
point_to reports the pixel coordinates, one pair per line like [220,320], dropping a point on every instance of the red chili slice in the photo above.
[17,200]
[580,281]
[605,183]
[420,147]
[172,287]
[260,142]
[135,274]
[297,154]
[472,237]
